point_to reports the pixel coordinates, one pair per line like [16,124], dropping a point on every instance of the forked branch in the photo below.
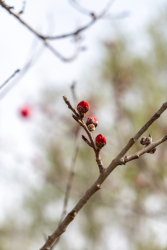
[119,160]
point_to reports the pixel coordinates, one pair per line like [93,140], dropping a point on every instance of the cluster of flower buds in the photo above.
[91,124]
[146,141]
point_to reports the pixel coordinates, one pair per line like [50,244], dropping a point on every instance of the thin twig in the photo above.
[81,8]
[86,140]
[107,7]
[23,8]
[91,143]
[73,85]
[73,33]
[33,59]
[69,183]
[45,38]
[70,106]
[97,184]
[17,71]
[94,19]
[53,50]
[73,167]
[142,130]
[126,159]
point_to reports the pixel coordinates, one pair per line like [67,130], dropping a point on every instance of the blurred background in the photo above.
[121,71]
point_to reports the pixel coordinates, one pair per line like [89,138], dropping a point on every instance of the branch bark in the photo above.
[102,176]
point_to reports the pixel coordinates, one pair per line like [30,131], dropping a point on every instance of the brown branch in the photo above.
[126,159]
[73,33]
[102,176]
[86,140]
[142,130]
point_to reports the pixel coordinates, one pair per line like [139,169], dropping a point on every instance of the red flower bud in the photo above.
[26,111]
[91,123]
[100,141]
[83,108]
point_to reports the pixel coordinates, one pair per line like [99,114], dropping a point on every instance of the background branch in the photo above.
[73,165]
[17,71]
[45,38]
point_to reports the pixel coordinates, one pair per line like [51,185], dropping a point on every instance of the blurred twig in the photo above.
[73,86]
[45,38]
[73,166]
[94,19]
[17,71]
[33,59]
[23,8]
[51,48]
[80,8]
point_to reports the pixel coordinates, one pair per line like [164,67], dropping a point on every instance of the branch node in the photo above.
[49,237]
[98,186]
[72,214]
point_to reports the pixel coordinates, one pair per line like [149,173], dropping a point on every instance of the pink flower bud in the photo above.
[83,108]
[100,141]
[91,123]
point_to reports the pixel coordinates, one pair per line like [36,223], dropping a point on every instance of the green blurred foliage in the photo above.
[130,89]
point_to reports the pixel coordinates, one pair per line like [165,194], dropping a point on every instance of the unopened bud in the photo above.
[83,108]
[146,140]
[91,123]
[152,151]
[100,141]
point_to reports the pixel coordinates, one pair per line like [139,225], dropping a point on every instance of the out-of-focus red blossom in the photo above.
[100,141]
[26,111]
[83,107]
[91,123]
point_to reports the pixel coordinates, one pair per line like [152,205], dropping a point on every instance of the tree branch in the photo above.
[51,48]
[102,176]
[126,159]
[45,38]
